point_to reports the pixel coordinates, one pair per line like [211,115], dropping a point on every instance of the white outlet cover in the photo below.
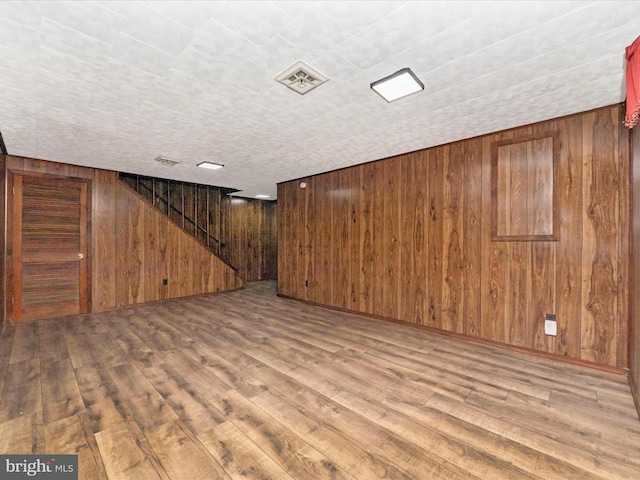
[550,328]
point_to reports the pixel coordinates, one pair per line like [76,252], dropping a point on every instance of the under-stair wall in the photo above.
[241,231]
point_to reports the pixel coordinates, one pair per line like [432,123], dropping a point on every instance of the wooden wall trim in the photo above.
[634,297]
[635,393]
[495,147]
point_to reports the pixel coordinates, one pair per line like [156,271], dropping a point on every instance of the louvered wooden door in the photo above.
[50,219]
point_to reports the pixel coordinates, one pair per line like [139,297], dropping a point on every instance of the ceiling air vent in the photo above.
[167,162]
[301,78]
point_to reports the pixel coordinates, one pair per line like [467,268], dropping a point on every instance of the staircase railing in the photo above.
[206,204]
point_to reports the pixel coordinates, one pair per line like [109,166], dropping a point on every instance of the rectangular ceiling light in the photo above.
[210,166]
[397,85]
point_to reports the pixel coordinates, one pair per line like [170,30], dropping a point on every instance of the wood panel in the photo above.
[624,289]
[269,239]
[133,247]
[413,260]
[634,334]
[434,238]
[340,200]
[426,254]
[601,231]
[452,241]
[392,238]
[366,234]
[569,254]
[104,229]
[472,238]
[3,234]
[252,238]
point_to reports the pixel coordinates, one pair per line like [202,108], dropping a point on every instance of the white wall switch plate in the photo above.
[550,328]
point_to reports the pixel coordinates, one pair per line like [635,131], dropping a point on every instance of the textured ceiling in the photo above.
[114,84]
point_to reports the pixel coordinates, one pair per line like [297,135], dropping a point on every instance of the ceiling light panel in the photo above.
[210,165]
[398,85]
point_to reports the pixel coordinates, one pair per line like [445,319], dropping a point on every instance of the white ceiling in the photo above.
[114,84]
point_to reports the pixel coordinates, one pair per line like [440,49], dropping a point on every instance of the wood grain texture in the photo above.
[392,238]
[103,235]
[602,230]
[249,385]
[49,246]
[133,248]
[453,235]
[624,261]
[413,259]
[523,191]
[434,239]
[427,254]
[472,223]
[569,254]
[252,245]
[72,435]
[367,231]
[124,457]
[3,243]
[634,333]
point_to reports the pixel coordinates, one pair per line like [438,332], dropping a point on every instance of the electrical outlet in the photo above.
[550,325]
[306,283]
[165,281]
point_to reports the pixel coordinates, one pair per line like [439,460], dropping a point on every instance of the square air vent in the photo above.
[301,78]
[167,162]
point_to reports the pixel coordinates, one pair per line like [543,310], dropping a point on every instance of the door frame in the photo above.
[14,209]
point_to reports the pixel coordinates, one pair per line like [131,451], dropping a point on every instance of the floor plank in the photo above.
[249,385]
[69,436]
[124,458]
[181,457]
[239,456]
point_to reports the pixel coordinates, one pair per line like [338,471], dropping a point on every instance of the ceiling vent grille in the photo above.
[301,78]
[167,162]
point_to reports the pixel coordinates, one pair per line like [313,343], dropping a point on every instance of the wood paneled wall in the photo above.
[134,247]
[409,238]
[252,240]
[3,234]
[634,342]
[245,228]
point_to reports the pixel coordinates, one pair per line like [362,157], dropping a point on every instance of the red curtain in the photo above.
[633,84]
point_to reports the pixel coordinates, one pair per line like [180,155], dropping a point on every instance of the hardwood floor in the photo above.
[249,385]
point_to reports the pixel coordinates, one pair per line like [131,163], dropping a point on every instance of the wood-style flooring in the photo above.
[249,385]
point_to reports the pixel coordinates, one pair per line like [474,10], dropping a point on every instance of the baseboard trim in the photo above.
[469,338]
[635,393]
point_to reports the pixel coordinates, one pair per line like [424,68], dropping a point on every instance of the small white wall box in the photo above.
[550,325]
